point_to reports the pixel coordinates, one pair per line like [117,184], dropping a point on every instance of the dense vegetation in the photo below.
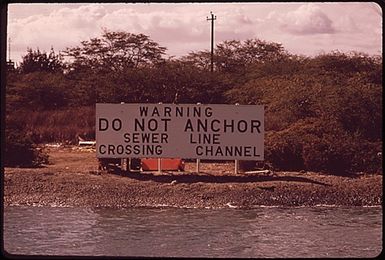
[322,113]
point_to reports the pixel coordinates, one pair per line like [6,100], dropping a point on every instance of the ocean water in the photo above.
[186,232]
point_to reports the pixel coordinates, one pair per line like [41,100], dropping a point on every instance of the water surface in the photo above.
[259,232]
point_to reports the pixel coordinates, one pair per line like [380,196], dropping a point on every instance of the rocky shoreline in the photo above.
[72,180]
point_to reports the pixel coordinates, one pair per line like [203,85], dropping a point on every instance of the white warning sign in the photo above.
[223,132]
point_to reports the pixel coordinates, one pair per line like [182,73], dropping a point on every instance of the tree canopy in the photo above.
[35,61]
[116,51]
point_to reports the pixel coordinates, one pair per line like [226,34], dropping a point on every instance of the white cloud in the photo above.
[347,24]
[307,19]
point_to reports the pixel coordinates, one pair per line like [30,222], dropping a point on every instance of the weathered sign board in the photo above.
[223,132]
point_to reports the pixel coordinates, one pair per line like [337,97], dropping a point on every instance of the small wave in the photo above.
[56,205]
[326,205]
[231,206]
[168,206]
[372,206]
[341,206]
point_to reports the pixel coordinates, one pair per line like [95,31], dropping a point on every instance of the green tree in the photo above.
[235,55]
[116,51]
[171,82]
[36,61]
[198,59]
[37,91]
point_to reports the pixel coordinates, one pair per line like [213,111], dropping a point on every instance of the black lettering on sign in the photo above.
[135,138]
[204,138]
[208,112]
[226,126]
[102,149]
[238,151]
[138,138]
[229,125]
[179,112]
[111,149]
[247,151]
[116,124]
[127,137]
[146,137]
[197,111]
[143,111]
[167,111]
[198,150]
[152,124]
[216,138]
[193,140]
[103,124]
[164,138]
[202,125]
[136,149]
[255,124]
[228,151]
[145,150]
[165,121]
[138,124]
[188,126]
[119,149]
[158,150]
[209,151]
[242,126]
[212,125]
[128,149]
[155,112]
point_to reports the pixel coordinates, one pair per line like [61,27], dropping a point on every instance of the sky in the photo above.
[302,28]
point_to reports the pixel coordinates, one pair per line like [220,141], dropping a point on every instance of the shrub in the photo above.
[322,155]
[19,149]
[322,145]
[366,156]
[62,125]
[284,150]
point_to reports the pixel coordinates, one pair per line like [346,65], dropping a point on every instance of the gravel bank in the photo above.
[72,180]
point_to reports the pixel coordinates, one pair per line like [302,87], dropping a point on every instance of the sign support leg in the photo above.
[198,164]
[159,165]
[123,164]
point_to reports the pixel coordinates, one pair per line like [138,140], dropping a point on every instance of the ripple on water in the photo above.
[165,230]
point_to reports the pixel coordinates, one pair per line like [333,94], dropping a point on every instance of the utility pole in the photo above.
[9,48]
[212,38]
[10,63]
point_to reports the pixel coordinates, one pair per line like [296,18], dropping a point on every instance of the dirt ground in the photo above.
[72,179]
